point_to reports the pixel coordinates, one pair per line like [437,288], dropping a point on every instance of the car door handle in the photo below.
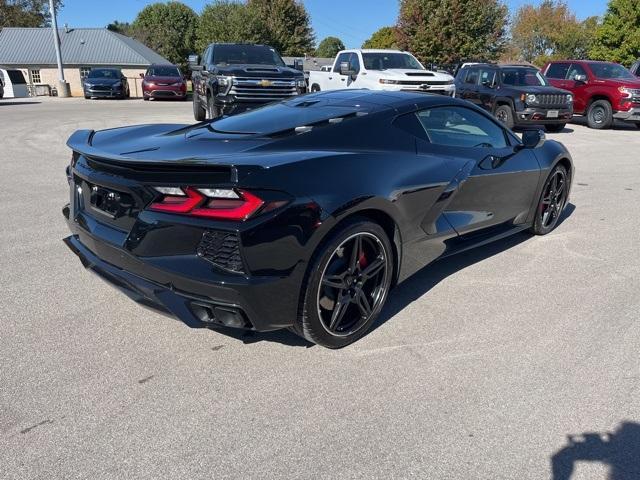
[330,78]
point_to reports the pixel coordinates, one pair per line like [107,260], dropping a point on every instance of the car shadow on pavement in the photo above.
[9,103]
[428,277]
[617,124]
[619,450]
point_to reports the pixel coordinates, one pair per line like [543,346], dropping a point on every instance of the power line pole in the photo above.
[63,86]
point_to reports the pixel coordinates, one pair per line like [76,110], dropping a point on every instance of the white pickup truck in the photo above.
[380,70]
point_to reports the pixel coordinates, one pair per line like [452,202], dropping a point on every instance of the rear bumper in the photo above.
[541,116]
[632,115]
[219,300]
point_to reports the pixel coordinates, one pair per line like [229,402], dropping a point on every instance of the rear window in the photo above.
[16,77]
[280,117]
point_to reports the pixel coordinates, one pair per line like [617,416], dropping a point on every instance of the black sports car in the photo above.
[305,213]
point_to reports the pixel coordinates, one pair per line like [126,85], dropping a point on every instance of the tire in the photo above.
[315,88]
[555,127]
[551,205]
[146,99]
[637,124]
[338,276]
[600,115]
[87,97]
[504,114]
[213,110]
[199,113]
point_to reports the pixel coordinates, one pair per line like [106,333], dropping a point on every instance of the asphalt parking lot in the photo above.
[481,367]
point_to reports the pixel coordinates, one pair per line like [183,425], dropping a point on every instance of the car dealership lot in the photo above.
[481,366]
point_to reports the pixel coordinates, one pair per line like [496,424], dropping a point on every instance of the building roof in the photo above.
[79,46]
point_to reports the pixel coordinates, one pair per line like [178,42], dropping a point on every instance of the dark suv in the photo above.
[515,94]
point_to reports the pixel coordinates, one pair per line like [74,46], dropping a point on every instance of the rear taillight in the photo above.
[216,203]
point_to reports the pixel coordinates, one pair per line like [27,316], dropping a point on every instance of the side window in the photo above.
[205,57]
[472,77]
[343,57]
[487,76]
[576,70]
[557,71]
[461,127]
[354,63]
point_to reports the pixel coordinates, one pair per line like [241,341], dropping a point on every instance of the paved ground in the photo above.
[481,368]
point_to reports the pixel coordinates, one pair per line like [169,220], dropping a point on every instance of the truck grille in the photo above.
[263,89]
[222,249]
[552,100]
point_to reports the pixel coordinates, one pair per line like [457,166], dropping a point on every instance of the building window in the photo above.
[35,76]
[84,72]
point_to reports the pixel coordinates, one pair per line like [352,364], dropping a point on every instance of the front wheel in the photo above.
[315,88]
[600,115]
[504,114]
[199,113]
[552,201]
[347,285]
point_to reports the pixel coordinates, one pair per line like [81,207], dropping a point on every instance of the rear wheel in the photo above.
[347,285]
[199,113]
[552,201]
[600,114]
[504,114]
[555,127]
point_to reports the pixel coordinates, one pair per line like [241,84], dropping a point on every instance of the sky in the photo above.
[353,21]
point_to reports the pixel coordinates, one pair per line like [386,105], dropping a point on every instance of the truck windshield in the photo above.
[610,70]
[384,61]
[522,77]
[246,55]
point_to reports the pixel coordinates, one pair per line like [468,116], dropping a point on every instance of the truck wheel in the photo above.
[504,114]
[600,114]
[315,88]
[214,112]
[199,113]
[555,127]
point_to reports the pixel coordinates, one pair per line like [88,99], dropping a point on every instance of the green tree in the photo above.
[228,21]
[329,47]
[287,25]
[448,31]
[618,37]
[26,13]
[550,31]
[123,28]
[168,28]
[386,37]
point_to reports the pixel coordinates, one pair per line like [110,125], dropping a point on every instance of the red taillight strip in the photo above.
[251,204]
[192,200]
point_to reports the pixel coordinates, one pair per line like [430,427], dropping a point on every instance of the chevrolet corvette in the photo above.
[304,214]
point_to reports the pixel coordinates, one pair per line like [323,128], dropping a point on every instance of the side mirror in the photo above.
[580,78]
[142,75]
[298,64]
[533,138]
[344,68]
[194,62]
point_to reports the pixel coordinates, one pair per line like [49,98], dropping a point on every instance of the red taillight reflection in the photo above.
[196,204]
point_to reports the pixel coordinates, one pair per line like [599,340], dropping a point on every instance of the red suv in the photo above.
[602,91]
[163,81]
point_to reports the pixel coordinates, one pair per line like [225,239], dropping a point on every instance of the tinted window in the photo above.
[487,76]
[16,77]
[163,71]
[461,127]
[472,76]
[343,57]
[610,70]
[557,70]
[384,61]
[104,73]
[354,63]
[521,77]
[246,55]
[576,70]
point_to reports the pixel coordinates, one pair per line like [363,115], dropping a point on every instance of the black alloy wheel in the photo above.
[347,286]
[504,114]
[552,201]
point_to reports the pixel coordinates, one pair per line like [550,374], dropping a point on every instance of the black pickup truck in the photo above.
[517,95]
[230,78]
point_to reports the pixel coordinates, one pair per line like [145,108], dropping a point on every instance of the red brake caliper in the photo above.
[363,260]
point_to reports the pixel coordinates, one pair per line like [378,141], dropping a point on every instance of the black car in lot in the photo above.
[516,94]
[230,78]
[106,83]
[304,213]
